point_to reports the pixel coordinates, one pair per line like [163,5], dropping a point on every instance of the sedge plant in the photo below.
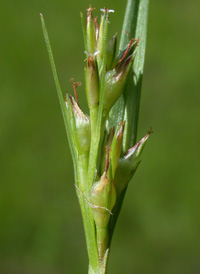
[103,145]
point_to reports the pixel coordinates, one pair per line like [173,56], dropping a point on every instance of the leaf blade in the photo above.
[131,114]
[127,107]
[58,89]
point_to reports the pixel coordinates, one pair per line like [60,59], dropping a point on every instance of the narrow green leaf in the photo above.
[58,88]
[129,25]
[84,30]
[133,88]
[127,107]
[128,29]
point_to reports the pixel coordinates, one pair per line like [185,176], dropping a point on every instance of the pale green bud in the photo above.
[115,81]
[90,32]
[113,144]
[111,52]
[80,126]
[101,48]
[116,148]
[92,82]
[128,164]
[107,142]
[103,198]
[100,42]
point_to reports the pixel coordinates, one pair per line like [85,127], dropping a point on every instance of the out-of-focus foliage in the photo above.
[40,224]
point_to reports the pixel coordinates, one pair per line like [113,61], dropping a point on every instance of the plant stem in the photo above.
[93,121]
[87,215]
[102,241]
[90,235]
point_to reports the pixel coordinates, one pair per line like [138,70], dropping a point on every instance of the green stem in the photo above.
[96,239]
[87,215]
[90,235]
[102,241]
[101,270]
[93,121]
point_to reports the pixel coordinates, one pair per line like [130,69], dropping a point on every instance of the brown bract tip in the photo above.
[110,136]
[131,42]
[112,131]
[122,123]
[121,130]
[149,131]
[76,108]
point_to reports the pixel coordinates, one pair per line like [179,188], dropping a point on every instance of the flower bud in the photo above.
[107,142]
[128,164]
[124,54]
[111,52]
[103,198]
[80,126]
[90,32]
[92,83]
[116,148]
[100,42]
[115,81]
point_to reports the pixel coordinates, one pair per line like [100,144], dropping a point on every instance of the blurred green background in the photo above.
[40,223]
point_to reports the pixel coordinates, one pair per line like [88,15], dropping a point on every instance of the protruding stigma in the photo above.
[75,85]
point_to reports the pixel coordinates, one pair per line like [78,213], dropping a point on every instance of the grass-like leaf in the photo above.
[127,107]
[59,91]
